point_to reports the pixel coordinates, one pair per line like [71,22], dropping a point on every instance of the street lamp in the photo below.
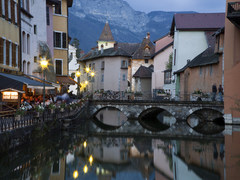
[78,74]
[92,76]
[44,65]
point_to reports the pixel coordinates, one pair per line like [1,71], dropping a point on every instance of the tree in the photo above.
[76,44]
[169,63]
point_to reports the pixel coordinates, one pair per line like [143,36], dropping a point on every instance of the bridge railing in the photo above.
[34,118]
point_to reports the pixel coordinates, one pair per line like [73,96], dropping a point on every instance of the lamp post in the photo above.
[92,76]
[78,74]
[44,65]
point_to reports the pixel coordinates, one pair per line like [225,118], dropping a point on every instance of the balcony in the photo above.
[233,13]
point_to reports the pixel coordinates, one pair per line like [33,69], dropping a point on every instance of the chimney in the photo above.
[148,35]
[102,48]
[116,46]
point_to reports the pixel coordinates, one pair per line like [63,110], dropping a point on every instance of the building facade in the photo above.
[189,32]
[232,63]
[9,37]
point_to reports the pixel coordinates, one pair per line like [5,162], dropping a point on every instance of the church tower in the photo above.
[106,39]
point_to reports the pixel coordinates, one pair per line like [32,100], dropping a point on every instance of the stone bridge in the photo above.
[181,110]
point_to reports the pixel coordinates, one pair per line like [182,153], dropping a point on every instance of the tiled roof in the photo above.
[197,21]
[140,53]
[111,52]
[65,80]
[106,34]
[144,72]
[161,50]
[130,48]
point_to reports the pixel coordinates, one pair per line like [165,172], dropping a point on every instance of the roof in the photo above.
[111,52]
[140,53]
[130,48]
[144,72]
[65,80]
[106,34]
[219,31]
[17,82]
[198,21]
[161,50]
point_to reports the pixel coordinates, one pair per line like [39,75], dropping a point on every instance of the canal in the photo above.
[78,153]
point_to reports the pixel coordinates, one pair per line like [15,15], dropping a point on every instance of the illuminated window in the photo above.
[10,95]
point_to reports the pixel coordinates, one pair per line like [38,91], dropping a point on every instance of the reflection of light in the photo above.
[10,95]
[85,169]
[91,159]
[85,144]
[75,174]
[86,82]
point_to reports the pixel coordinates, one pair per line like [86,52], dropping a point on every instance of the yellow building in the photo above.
[60,28]
[9,36]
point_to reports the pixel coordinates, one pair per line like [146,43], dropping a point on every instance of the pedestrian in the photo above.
[214,91]
[220,92]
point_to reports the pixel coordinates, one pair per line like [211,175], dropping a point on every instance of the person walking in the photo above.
[214,92]
[220,92]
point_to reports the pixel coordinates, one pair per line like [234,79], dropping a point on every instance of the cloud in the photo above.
[178,5]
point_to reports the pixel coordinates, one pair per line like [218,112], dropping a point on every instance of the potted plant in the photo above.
[39,109]
[62,106]
[20,112]
[52,107]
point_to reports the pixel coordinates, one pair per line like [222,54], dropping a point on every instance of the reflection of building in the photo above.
[232,159]
[111,117]
[162,161]
[58,170]
[194,160]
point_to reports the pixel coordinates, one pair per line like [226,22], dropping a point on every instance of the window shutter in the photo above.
[64,38]
[6,9]
[7,52]
[54,39]
[13,55]
[1,8]
[12,11]
[1,51]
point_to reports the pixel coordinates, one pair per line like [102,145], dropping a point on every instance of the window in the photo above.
[28,68]
[93,66]
[124,77]
[23,42]
[58,67]
[58,7]
[124,64]
[15,11]
[146,61]
[60,39]
[3,7]
[167,77]
[56,167]
[211,70]
[35,59]
[10,54]
[27,6]
[47,14]
[102,79]
[35,29]
[4,51]
[16,55]
[102,65]
[28,44]
[9,9]
[200,71]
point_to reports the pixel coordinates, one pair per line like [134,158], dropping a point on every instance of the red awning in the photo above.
[65,80]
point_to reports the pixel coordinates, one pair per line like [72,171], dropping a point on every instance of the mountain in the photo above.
[87,19]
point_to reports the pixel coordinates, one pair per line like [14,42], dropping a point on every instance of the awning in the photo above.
[65,80]
[41,80]
[17,82]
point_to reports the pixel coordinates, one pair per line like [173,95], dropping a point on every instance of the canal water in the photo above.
[73,153]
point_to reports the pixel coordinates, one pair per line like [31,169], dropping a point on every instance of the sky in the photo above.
[202,6]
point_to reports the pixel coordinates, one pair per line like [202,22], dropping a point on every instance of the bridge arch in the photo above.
[156,119]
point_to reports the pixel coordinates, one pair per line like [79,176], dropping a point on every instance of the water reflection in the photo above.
[156,119]
[110,117]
